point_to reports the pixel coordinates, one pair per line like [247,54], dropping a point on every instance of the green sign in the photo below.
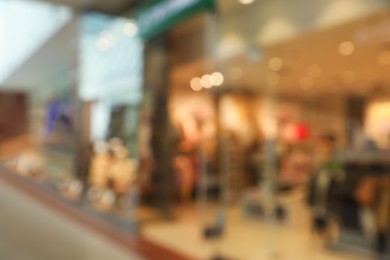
[159,15]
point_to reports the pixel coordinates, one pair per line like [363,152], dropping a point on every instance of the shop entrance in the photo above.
[241,140]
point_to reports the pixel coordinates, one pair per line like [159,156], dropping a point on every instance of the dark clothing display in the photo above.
[323,192]
[364,186]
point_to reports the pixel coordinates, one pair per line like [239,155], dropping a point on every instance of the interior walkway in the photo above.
[31,231]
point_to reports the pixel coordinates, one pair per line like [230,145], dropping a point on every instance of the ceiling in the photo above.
[366,71]
[110,7]
[358,73]
[361,72]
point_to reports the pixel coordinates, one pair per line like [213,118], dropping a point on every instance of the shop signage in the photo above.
[158,16]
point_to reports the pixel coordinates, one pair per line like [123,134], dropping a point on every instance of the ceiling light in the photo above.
[275,64]
[246,2]
[217,79]
[130,29]
[346,48]
[196,84]
[206,81]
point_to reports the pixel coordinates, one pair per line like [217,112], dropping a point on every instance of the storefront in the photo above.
[70,115]
[110,91]
[294,80]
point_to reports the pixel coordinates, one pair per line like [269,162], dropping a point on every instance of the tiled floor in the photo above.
[246,239]
[31,231]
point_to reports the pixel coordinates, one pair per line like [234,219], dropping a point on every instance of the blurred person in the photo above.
[254,160]
[329,172]
[184,164]
[59,121]
[185,160]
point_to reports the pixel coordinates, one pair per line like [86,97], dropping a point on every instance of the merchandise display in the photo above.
[112,173]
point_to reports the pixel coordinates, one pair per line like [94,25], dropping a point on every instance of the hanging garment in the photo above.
[383,206]
[321,192]
[365,192]
[383,216]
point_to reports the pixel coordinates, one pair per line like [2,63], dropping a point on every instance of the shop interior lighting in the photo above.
[246,2]
[196,84]
[217,79]
[130,29]
[206,81]
[275,64]
[346,48]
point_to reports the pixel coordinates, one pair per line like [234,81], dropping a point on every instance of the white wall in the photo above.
[24,27]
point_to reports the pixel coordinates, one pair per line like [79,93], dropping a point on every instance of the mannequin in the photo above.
[121,174]
[99,168]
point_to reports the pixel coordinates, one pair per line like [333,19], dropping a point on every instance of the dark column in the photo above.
[162,141]
[80,115]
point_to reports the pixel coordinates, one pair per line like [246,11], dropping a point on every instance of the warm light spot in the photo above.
[275,64]
[196,84]
[130,29]
[217,79]
[206,81]
[246,2]
[346,48]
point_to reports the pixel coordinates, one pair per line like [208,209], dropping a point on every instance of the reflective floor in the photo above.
[248,238]
[31,231]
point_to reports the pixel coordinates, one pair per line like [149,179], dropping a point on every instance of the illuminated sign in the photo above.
[158,16]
